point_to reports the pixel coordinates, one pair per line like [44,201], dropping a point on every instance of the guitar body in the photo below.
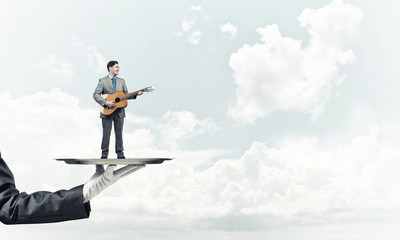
[120,99]
[114,98]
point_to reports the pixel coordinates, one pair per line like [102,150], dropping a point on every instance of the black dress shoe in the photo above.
[103,157]
[121,157]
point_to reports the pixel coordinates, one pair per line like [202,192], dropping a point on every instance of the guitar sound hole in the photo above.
[117,100]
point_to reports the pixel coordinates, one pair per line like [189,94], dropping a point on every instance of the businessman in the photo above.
[109,85]
[47,207]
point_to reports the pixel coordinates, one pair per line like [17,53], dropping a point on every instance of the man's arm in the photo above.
[125,89]
[97,94]
[47,207]
[39,207]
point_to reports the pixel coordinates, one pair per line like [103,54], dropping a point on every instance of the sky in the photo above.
[281,116]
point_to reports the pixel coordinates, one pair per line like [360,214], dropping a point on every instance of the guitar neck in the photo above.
[129,95]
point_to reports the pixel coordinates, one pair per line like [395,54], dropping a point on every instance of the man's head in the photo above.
[113,68]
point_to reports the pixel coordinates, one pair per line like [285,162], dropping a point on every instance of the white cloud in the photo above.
[187,24]
[331,25]
[229,28]
[183,125]
[191,35]
[165,135]
[280,75]
[194,37]
[94,59]
[59,67]
[197,8]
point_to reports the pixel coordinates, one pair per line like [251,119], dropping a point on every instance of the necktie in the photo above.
[114,83]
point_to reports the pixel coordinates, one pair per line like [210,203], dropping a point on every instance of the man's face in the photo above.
[114,70]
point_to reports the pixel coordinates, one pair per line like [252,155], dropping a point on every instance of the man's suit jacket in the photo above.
[39,207]
[105,86]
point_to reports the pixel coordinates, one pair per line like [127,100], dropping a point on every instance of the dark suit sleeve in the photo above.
[39,207]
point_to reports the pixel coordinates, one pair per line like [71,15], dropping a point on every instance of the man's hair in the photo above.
[111,64]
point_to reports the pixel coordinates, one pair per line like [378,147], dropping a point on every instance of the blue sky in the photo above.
[281,115]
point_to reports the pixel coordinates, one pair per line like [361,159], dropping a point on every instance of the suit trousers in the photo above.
[118,127]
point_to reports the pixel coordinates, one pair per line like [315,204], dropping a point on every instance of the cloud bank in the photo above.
[297,184]
[48,125]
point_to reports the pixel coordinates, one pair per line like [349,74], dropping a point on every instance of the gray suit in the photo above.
[105,86]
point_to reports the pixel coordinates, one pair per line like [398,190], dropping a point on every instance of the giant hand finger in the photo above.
[124,171]
[109,173]
[98,172]
[133,170]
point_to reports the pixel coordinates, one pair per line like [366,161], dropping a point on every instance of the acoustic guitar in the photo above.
[120,99]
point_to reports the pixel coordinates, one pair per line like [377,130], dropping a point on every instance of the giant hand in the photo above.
[102,179]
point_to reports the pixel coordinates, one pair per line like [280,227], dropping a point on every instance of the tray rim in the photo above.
[125,161]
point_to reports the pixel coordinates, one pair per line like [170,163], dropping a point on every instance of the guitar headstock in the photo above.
[149,89]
